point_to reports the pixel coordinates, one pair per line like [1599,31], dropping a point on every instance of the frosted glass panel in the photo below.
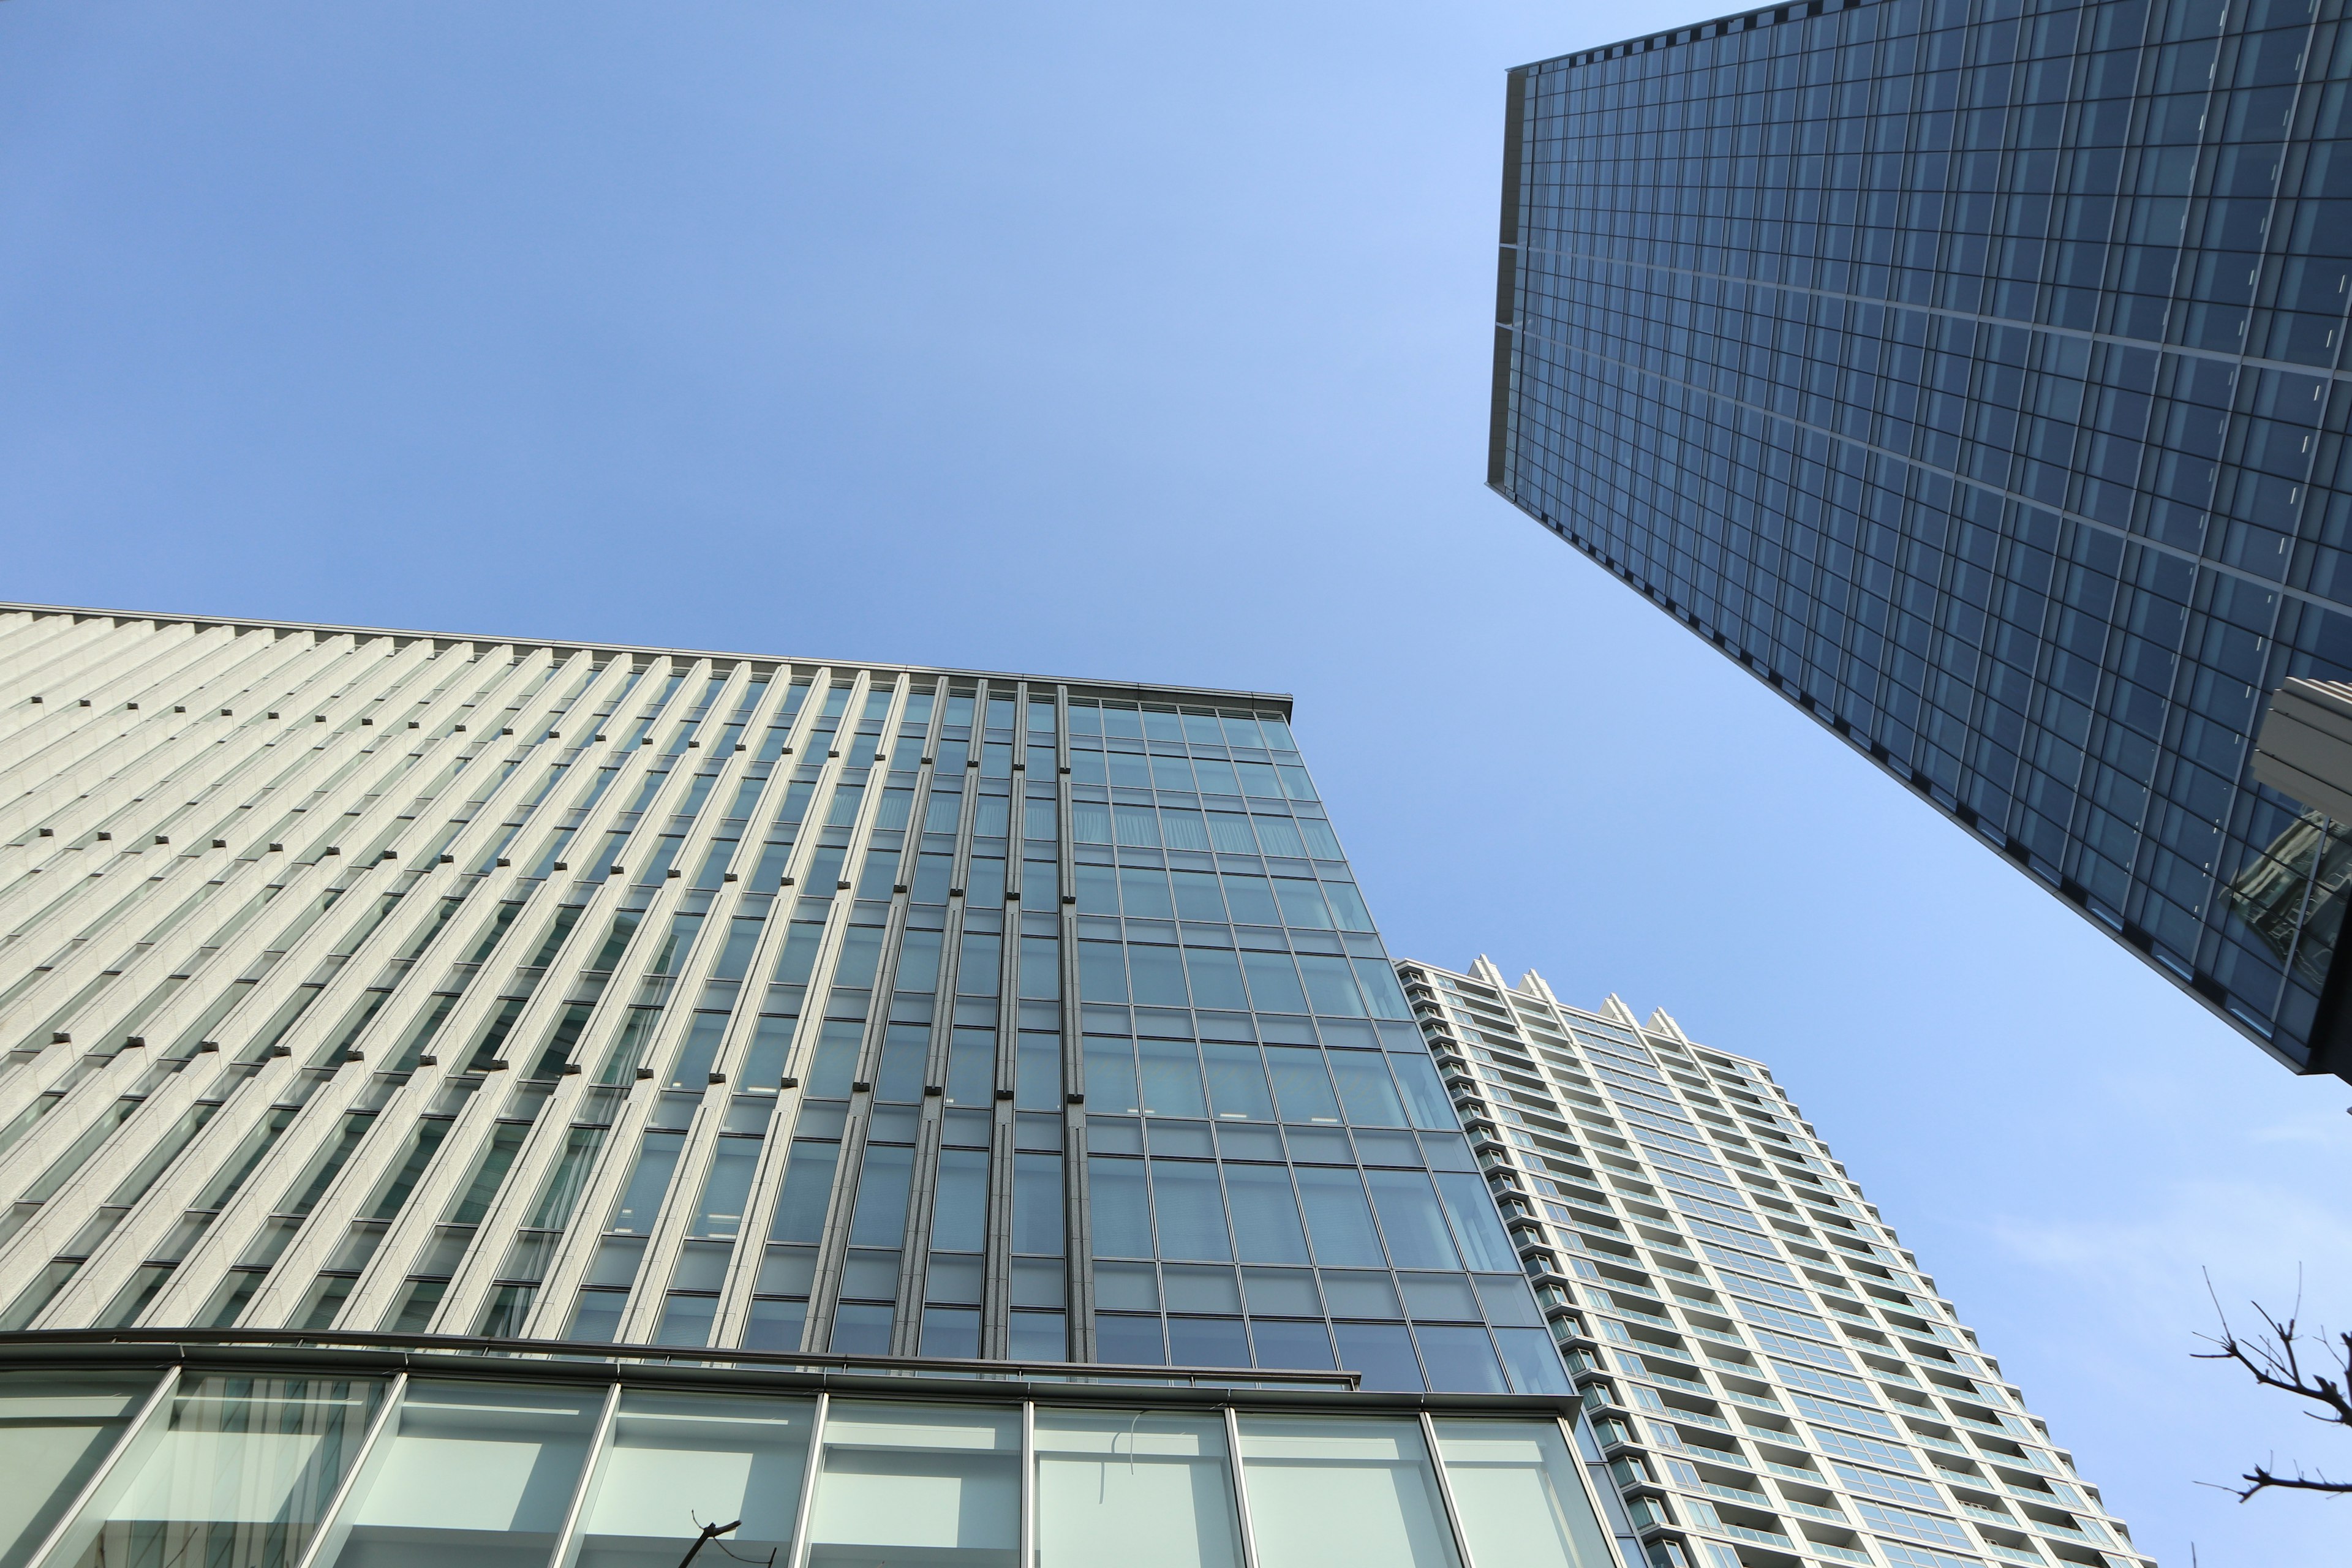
[1133,1489]
[54,1432]
[910,1485]
[244,1470]
[477,1475]
[1328,1493]
[679,1461]
[1520,1498]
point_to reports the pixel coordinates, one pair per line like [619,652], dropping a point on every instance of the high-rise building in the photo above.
[1771,1375]
[532,1101]
[1972,373]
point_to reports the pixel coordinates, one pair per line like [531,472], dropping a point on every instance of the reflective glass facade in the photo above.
[144,1453]
[363,981]
[1969,370]
[1770,1373]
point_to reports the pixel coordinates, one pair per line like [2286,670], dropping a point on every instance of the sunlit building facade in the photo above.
[1772,1376]
[532,1101]
[1973,374]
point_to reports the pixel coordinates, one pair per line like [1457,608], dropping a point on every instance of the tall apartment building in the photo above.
[1772,1376]
[532,1101]
[1972,373]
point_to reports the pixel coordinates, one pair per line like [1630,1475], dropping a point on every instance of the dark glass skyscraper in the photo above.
[1969,370]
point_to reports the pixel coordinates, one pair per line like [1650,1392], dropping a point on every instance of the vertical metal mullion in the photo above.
[332,1530]
[1445,1491]
[1078,1213]
[1241,1489]
[139,1440]
[1028,1483]
[810,1474]
[567,1539]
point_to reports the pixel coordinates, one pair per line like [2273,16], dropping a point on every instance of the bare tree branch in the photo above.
[2274,1359]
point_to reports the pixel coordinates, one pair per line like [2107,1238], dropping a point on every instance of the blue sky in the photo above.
[1119,340]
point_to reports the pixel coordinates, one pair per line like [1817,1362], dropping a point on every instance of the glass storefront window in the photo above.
[679,1461]
[240,1471]
[480,1475]
[243,1470]
[934,1484]
[1141,1489]
[1516,1485]
[54,1431]
[1327,1492]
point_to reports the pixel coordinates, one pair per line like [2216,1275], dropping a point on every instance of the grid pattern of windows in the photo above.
[373,981]
[1732,1306]
[1969,370]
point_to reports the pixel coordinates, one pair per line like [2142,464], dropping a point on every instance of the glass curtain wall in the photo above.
[337,1471]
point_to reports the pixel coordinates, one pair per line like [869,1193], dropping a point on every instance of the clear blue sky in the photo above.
[1123,340]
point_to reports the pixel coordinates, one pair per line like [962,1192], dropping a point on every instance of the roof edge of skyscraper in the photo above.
[1673,1029]
[1093,685]
[1689,32]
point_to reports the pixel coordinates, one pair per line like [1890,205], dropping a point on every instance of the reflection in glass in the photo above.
[477,1475]
[2293,893]
[1521,1502]
[906,1484]
[244,1473]
[1328,1493]
[679,1461]
[1134,1487]
[54,1432]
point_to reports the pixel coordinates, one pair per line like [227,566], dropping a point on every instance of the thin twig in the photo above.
[2274,1359]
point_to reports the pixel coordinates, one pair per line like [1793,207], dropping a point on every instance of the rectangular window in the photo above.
[1328,1493]
[932,1482]
[1110,1481]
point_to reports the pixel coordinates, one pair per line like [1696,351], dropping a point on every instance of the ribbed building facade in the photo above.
[1973,373]
[530,1101]
[1773,1377]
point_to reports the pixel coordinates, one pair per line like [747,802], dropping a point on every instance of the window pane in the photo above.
[1521,1502]
[1302,1083]
[1237,1081]
[881,1214]
[1342,1494]
[1338,1218]
[952,1331]
[1460,1360]
[1139,1490]
[1216,978]
[1171,1079]
[245,1468]
[1410,1220]
[808,1188]
[1332,985]
[1265,1215]
[775,1326]
[677,1458]
[52,1433]
[1475,1225]
[480,1470]
[1282,1343]
[1122,1213]
[1037,1203]
[1190,1209]
[1364,1084]
[959,1204]
[945,1480]
[1382,1353]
